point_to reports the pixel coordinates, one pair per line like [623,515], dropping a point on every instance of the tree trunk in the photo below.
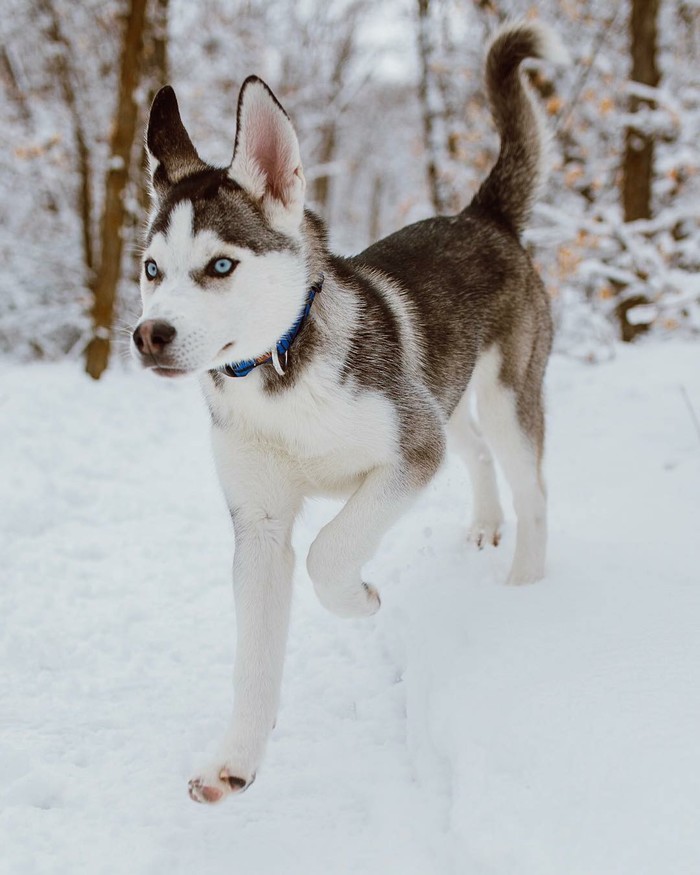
[17,92]
[159,36]
[65,75]
[155,73]
[326,154]
[322,184]
[111,230]
[426,97]
[638,165]
[375,210]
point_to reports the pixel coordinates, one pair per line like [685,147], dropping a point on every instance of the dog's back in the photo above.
[469,280]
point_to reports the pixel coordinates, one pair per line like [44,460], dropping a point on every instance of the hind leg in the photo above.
[468,441]
[517,440]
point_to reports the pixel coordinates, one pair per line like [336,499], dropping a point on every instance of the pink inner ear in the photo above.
[270,141]
[268,157]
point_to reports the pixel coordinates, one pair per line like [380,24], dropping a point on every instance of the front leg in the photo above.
[351,538]
[264,500]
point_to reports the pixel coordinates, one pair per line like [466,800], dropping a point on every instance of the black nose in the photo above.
[152,336]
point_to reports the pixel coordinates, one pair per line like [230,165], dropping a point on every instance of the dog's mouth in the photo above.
[153,365]
[167,372]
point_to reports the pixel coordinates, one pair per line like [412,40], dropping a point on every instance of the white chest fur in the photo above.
[331,432]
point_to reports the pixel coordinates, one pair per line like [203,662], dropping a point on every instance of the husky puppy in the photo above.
[330,375]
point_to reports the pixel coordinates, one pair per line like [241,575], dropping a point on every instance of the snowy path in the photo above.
[469,728]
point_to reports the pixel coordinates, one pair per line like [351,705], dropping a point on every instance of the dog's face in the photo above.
[223,273]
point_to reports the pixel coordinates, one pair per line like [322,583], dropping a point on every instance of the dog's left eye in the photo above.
[222,266]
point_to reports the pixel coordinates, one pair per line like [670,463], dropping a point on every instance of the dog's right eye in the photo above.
[151,269]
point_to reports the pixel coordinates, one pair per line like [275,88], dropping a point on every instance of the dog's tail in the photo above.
[510,190]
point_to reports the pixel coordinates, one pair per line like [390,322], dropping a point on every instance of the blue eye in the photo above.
[223,266]
[151,269]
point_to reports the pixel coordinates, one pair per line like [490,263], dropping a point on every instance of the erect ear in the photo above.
[266,159]
[171,154]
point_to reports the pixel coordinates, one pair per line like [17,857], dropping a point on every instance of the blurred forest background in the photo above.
[387,97]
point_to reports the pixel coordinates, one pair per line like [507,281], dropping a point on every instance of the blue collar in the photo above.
[280,353]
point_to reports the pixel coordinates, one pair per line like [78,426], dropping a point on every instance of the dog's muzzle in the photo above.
[152,336]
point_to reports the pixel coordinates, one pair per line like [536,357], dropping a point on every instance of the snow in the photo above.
[469,728]
[644,314]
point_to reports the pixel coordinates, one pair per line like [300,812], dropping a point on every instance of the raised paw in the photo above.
[211,789]
[339,589]
[482,532]
[356,601]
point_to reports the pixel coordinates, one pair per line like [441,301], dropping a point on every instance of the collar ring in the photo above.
[279,364]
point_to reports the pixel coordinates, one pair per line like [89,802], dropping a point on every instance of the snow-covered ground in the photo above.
[469,728]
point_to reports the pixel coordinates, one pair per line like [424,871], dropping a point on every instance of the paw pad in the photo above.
[199,791]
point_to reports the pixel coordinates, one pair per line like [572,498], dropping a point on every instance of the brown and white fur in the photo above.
[398,344]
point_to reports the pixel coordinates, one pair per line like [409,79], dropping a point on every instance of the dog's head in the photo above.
[223,273]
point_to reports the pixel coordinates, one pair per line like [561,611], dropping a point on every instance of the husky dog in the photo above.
[330,375]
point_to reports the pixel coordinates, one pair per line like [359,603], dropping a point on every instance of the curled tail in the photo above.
[509,191]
